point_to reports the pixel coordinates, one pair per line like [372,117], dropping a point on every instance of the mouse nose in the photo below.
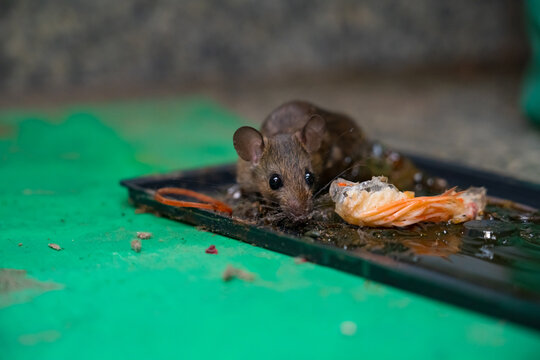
[297,209]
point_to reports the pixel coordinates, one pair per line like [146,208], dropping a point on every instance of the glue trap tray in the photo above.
[491,266]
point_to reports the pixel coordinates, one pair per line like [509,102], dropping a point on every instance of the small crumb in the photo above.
[231,272]
[313,233]
[211,250]
[54,246]
[144,235]
[348,328]
[136,245]
[299,260]
[140,210]
[20,244]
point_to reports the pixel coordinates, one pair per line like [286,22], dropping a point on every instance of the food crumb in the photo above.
[54,246]
[211,250]
[299,260]
[144,235]
[348,328]
[136,245]
[231,272]
[202,228]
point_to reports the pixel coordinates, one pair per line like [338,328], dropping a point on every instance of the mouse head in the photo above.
[281,166]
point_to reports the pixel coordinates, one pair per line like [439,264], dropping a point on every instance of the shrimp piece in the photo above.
[379,204]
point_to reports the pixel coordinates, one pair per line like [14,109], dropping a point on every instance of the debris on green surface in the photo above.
[136,245]
[119,304]
[348,328]
[54,246]
[231,273]
[16,287]
[211,250]
[144,235]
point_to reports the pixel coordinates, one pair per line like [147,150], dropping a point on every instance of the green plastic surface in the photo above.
[59,173]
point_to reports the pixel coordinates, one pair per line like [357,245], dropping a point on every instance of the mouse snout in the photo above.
[297,209]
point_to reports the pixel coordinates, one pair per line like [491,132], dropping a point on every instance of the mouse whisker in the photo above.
[264,201]
[320,206]
[267,202]
[266,207]
[276,217]
[335,177]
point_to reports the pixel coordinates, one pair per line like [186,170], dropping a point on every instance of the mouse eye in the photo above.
[275,182]
[310,178]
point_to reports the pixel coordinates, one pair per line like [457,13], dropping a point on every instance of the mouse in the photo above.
[300,148]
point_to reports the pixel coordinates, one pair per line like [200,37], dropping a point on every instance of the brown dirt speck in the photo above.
[136,245]
[202,228]
[144,235]
[231,272]
[143,209]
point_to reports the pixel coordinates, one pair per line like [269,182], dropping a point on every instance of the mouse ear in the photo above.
[248,143]
[312,134]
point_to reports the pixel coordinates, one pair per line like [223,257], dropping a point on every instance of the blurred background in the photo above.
[433,77]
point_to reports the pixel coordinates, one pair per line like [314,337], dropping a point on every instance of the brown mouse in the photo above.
[299,149]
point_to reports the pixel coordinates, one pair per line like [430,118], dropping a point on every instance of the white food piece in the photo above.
[377,203]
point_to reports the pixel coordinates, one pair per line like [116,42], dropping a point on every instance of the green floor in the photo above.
[96,298]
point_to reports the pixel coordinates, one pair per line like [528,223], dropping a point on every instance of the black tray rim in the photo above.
[379,268]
